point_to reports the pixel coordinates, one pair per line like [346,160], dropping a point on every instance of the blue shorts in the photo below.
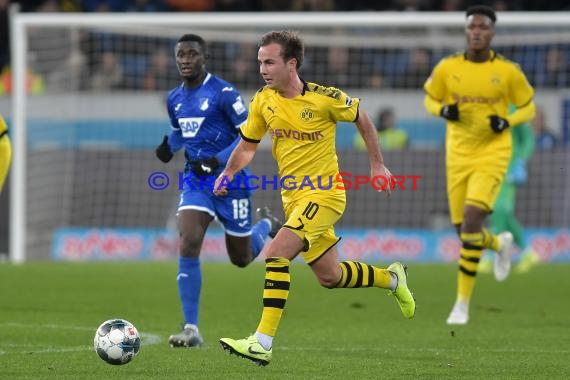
[233,211]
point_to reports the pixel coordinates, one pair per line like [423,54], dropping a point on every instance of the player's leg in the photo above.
[351,274]
[483,190]
[287,244]
[498,222]
[279,253]
[244,242]
[457,180]
[194,215]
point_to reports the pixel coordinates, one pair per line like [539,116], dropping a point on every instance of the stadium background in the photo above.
[87,171]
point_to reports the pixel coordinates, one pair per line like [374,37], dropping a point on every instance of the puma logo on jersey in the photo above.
[271,109]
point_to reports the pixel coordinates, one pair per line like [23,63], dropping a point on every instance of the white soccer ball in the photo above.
[117,341]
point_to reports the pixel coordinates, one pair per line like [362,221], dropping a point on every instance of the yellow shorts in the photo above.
[475,185]
[312,219]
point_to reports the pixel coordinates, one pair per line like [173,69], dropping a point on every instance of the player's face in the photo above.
[275,71]
[190,60]
[479,32]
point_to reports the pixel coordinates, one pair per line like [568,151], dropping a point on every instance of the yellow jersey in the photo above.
[303,131]
[480,89]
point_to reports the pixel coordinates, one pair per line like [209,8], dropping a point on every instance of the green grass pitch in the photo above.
[49,313]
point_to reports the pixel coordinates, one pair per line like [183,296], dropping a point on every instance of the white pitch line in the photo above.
[146,339]
[420,349]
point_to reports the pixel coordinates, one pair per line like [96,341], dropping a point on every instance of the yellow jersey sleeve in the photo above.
[521,92]
[344,108]
[435,84]
[255,126]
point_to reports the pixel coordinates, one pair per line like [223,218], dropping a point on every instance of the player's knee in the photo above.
[472,239]
[189,247]
[240,261]
[473,219]
[328,281]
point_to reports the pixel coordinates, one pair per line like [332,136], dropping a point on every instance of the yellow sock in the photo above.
[470,254]
[490,240]
[361,275]
[275,293]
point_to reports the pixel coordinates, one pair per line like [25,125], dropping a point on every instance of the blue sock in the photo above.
[259,234]
[189,285]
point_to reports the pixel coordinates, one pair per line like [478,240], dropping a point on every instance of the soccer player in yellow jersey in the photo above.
[472,90]
[5,152]
[301,118]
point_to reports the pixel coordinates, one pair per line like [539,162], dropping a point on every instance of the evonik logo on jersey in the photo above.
[190,125]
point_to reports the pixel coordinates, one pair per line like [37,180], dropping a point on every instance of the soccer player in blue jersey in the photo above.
[205,115]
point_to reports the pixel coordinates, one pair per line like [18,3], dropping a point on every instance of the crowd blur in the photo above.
[112,61]
[289,5]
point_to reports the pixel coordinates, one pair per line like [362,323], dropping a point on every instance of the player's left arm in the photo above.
[521,94]
[234,108]
[522,115]
[368,132]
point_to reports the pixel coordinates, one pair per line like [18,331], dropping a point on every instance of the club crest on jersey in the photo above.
[190,125]
[307,114]
[204,104]
[238,106]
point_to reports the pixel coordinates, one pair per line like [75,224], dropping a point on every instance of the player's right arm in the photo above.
[251,134]
[239,159]
[173,142]
[436,92]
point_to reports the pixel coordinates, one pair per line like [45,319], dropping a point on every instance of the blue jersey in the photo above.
[205,120]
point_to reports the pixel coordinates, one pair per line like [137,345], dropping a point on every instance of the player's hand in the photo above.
[498,124]
[220,186]
[205,167]
[518,174]
[384,184]
[163,151]
[450,112]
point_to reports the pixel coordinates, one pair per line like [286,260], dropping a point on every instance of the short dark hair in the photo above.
[291,44]
[195,38]
[482,10]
